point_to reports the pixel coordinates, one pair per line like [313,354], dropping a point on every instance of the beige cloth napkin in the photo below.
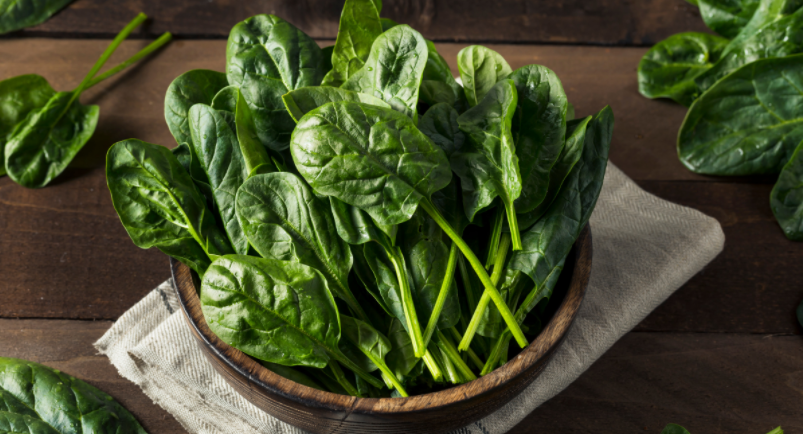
[644,249]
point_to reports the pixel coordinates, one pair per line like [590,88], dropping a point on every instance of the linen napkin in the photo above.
[644,249]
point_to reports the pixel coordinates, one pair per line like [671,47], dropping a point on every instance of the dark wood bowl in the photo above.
[437,412]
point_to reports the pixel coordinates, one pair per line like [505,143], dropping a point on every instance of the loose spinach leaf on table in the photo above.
[394,69]
[198,86]
[302,101]
[19,14]
[18,97]
[727,17]
[215,143]
[748,123]
[160,206]
[539,128]
[668,70]
[480,69]
[359,27]
[786,199]
[38,399]
[276,311]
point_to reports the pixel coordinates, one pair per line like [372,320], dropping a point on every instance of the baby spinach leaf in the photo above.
[669,68]
[302,101]
[226,99]
[359,27]
[270,48]
[19,14]
[786,199]
[480,69]
[539,129]
[748,123]
[355,226]
[370,157]
[401,358]
[428,261]
[47,140]
[486,163]
[727,17]
[186,157]
[198,86]
[18,97]
[160,206]
[255,156]
[768,11]
[372,344]
[272,121]
[394,69]
[283,220]
[38,399]
[291,374]
[439,123]
[780,38]
[215,143]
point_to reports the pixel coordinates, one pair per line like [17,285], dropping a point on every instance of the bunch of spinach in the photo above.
[332,201]
[744,91]
[42,130]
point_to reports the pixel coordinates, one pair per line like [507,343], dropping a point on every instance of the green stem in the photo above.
[481,273]
[413,327]
[452,374]
[341,378]
[493,358]
[471,354]
[153,46]
[340,357]
[513,222]
[448,348]
[496,234]
[446,286]
[386,373]
[499,265]
[434,368]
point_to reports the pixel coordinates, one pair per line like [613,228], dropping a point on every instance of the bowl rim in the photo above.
[540,348]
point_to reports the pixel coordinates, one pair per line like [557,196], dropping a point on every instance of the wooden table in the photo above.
[722,355]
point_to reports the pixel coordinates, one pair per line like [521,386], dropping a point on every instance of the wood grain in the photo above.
[323,412]
[610,22]
[67,346]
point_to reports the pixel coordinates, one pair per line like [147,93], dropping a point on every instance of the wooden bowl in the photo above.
[437,412]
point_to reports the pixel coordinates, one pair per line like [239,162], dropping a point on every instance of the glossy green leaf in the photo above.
[480,69]
[302,101]
[292,374]
[255,156]
[437,77]
[198,86]
[369,157]
[786,199]
[19,14]
[486,163]
[46,141]
[668,70]
[37,399]
[192,165]
[372,344]
[355,226]
[160,206]
[226,99]
[385,280]
[273,123]
[394,69]
[439,123]
[539,129]
[18,97]
[727,17]
[215,144]
[748,123]
[427,261]
[780,38]
[768,11]
[436,92]
[401,358]
[277,311]
[359,27]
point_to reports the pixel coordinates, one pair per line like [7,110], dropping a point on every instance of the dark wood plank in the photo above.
[708,383]
[67,346]
[754,285]
[610,22]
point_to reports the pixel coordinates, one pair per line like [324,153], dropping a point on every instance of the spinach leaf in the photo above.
[273,123]
[480,69]
[401,358]
[394,69]
[255,156]
[748,123]
[359,27]
[283,220]
[434,92]
[291,374]
[372,344]
[198,86]
[355,226]
[38,399]
[768,11]
[215,144]
[18,97]
[487,163]
[160,206]
[429,266]
[727,17]
[302,101]
[277,311]
[226,99]
[19,14]
[669,68]
[189,161]
[437,78]
[779,38]
[439,123]
[539,129]
[370,157]
[786,199]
